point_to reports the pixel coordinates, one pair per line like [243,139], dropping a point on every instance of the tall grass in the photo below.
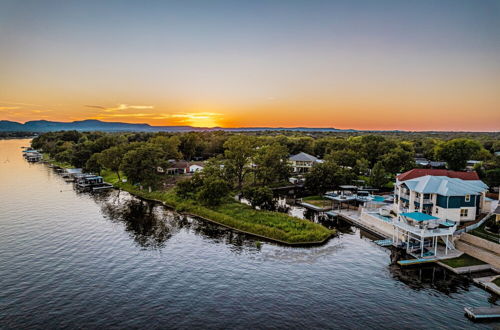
[273,225]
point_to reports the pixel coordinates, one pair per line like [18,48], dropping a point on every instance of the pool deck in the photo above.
[354,217]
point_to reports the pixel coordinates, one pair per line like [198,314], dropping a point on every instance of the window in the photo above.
[467,198]
[437,210]
[417,195]
[464,212]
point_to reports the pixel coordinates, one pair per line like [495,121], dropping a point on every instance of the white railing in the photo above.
[474,226]
[405,196]
[424,231]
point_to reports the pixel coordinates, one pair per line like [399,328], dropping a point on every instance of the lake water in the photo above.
[77,260]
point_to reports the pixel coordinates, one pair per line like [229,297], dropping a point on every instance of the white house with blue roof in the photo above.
[441,196]
[302,162]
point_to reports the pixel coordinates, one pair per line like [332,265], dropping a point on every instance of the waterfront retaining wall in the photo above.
[479,248]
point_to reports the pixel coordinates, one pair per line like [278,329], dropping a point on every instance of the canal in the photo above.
[80,260]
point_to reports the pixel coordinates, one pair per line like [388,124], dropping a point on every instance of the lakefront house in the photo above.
[450,195]
[302,162]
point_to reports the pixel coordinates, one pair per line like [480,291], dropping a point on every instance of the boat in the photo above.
[92,182]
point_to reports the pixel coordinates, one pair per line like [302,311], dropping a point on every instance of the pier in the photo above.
[482,313]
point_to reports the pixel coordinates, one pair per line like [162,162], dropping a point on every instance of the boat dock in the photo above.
[384,242]
[411,262]
[487,284]
[482,313]
[313,207]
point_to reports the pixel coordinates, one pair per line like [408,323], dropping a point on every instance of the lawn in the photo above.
[318,201]
[464,260]
[273,225]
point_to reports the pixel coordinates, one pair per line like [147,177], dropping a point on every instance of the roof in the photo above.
[74,170]
[497,210]
[446,186]
[419,216]
[179,164]
[418,172]
[303,157]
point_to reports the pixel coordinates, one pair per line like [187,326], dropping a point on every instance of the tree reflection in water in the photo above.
[144,221]
[151,224]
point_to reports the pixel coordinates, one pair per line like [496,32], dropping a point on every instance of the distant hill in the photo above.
[97,125]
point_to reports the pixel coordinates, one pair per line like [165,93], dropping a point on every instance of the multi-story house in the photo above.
[302,162]
[449,195]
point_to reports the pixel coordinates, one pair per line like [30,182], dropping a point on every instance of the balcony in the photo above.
[404,196]
[426,201]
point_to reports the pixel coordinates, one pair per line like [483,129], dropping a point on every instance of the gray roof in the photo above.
[497,210]
[446,186]
[303,157]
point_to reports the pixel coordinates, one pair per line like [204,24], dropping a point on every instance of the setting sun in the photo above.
[198,119]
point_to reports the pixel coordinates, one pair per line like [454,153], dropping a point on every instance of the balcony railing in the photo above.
[405,196]
[425,201]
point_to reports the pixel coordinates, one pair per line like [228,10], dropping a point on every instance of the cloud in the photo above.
[196,115]
[25,104]
[121,107]
[41,111]
[8,108]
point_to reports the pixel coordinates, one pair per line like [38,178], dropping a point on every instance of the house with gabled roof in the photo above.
[449,195]
[302,162]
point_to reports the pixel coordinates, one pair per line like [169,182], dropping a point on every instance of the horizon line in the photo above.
[253,127]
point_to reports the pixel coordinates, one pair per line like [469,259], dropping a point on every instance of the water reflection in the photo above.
[433,277]
[151,224]
[144,221]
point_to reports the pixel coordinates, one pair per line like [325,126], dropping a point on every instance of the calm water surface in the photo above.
[76,260]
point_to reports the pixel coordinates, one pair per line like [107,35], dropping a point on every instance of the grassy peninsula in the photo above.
[271,225]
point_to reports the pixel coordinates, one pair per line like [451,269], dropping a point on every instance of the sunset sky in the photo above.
[413,65]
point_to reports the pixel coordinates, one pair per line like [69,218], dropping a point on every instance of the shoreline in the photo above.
[275,240]
[204,218]
[186,209]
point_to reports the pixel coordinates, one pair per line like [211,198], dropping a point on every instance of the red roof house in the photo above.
[418,172]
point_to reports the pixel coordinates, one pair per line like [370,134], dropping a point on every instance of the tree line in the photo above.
[251,164]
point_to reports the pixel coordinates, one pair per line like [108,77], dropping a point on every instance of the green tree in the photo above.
[362,166]
[456,152]
[239,152]
[398,160]
[191,144]
[213,192]
[169,146]
[140,165]
[326,176]
[261,197]
[93,165]
[378,176]
[346,157]
[112,159]
[374,147]
[188,188]
[271,164]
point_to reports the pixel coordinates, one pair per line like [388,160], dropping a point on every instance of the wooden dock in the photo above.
[482,313]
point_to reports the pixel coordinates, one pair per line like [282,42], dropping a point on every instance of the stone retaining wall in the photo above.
[478,252]
[481,242]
